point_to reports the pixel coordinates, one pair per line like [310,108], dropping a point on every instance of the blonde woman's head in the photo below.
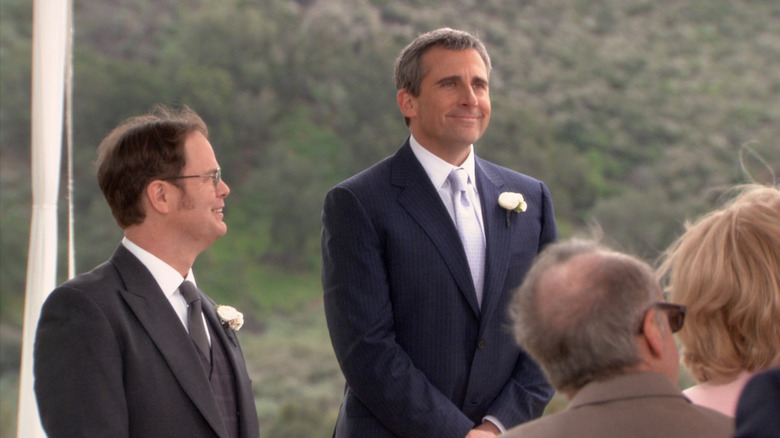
[726,269]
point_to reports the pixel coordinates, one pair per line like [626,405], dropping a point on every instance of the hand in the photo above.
[484,430]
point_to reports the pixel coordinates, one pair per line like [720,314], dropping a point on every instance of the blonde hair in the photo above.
[726,269]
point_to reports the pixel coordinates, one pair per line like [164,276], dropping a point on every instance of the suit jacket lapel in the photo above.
[421,201]
[227,336]
[245,397]
[497,237]
[154,311]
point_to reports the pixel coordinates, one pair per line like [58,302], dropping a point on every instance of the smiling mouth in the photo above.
[466,116]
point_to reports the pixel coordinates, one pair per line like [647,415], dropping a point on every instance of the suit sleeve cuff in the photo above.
[496,422]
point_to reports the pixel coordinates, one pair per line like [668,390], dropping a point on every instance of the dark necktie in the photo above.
[195,318]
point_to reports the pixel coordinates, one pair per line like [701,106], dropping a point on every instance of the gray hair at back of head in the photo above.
[582,330]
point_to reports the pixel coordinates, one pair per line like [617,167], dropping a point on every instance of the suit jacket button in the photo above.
[481,343]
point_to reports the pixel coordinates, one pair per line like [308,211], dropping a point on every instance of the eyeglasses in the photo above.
[216,176]
[674,312]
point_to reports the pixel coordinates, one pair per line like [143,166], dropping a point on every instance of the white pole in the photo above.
[50,22]
[69,141]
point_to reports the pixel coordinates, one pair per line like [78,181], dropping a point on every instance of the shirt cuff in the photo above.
[495,421]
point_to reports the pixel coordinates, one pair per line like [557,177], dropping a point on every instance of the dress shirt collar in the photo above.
[167,278]
[437,169]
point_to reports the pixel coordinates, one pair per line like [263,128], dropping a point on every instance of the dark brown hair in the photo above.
[140,150]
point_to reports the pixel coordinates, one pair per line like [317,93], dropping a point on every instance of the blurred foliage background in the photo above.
[637,113]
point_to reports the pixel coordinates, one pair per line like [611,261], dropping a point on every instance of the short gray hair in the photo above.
[578,310]
[408,69]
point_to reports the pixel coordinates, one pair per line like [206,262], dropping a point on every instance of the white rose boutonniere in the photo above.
[230,317]
[512,202]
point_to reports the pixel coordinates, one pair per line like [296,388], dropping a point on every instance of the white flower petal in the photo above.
[512,201]
[230,316]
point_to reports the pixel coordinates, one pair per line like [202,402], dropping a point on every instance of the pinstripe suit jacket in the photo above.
[419,356]
[759,405]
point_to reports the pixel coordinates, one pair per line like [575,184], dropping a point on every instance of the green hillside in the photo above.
[638,114]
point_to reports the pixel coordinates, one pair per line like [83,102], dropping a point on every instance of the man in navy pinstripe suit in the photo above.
[423,351]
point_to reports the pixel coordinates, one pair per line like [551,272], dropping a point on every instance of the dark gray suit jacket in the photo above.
[112,359]
[419,355]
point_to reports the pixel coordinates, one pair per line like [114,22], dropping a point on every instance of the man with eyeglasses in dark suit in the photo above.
[596,322]
[133,348]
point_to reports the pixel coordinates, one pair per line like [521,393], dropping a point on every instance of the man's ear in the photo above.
[158,196]
[653,333]
[406,103]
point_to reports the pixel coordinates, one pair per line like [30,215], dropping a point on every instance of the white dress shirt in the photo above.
[438,170]
[168,279]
